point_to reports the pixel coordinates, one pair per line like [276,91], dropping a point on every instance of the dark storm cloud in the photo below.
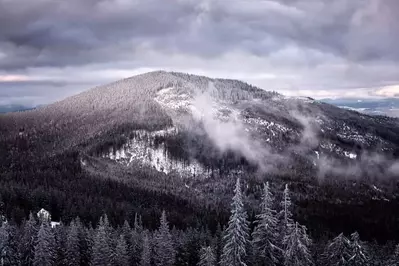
[62,33]
[317,46]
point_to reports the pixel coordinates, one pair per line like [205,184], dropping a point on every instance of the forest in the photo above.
[273,237]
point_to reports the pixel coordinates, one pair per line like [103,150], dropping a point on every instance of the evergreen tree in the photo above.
[358,253]
[207,257]
[72,253]
[146,254]
[102,250]
[9,245]
[45,253]
[60,233]
[297,244]
[237,232]
[164,250]
[121,257]
[85,236]
[136,241]
[218,245]
[265,235]
[28,240]
[285,215]
[337,252]
[394,260]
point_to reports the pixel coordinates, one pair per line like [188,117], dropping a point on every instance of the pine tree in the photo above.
[337,252]
[358,253]
[121,257]
[237,232]
[45,253]
[207,257]
[164,250]
[102,250]
[72,253]
[297,244]
[265,235]
[28,241]
[146,254]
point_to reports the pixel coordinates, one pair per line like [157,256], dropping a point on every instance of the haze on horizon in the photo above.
[319,48]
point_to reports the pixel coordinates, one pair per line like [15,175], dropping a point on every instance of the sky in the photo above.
[51,49]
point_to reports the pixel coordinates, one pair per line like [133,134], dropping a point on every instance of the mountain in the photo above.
[378,106]
[177,141]
[13,108]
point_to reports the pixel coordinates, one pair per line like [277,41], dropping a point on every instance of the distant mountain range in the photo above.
[14,108]
[386,106]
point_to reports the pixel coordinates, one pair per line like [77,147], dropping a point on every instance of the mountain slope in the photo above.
[187,136]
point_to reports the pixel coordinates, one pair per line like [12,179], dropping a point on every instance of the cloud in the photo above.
[388,91]
[286,45]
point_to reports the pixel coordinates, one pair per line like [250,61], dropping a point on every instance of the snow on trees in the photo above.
[121,256]
[207,257]
[146,253]
[102,251]
[164,250]
[337,251]
[265,235]
[297,244]
[237,233]
[45,246]
[358,254]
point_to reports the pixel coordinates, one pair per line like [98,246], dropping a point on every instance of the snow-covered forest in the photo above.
[273,237]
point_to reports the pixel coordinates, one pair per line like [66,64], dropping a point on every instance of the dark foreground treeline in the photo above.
[275,238]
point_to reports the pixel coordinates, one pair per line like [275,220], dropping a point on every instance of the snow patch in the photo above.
[155,156]
[350,155]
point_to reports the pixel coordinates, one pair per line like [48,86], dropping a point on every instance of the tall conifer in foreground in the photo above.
[265,235]
[337,252]
[164,250]
[297,247]
[102,251]
[45,253]
[237,233]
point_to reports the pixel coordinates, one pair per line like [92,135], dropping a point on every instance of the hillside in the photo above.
[185,137]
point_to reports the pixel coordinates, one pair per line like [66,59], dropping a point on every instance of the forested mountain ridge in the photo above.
[176,141]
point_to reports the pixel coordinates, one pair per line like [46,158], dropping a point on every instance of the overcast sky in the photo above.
[50,49]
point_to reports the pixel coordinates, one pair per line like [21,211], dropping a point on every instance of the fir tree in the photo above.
[102,250]
[337,252]
[45,253]
[28,241]
[72,245]
[164,250]
[297,244]
[237,232]
[121,257]
[265,235]
[358,253]
[207,257]
[146,253]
